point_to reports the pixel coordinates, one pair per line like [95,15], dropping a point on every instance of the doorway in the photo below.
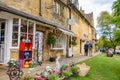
[39,45]
[2,40]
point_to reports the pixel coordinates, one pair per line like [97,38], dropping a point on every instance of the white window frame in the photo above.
[59,45]
[19,31]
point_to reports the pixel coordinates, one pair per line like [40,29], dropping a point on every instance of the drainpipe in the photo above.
[69,40]
[69,6]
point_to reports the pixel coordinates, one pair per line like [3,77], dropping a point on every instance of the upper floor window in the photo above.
[58,8]
[92,30]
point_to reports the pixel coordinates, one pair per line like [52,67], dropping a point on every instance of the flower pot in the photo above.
[52,59]
[74,75]
[67,78]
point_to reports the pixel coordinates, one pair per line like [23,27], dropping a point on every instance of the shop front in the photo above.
[24,36]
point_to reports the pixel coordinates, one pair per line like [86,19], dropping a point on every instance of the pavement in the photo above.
[39,69]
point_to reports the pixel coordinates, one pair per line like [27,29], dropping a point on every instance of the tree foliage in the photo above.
[104,42]
[104,23]
[116,13]
[116,8]
[110,37]
[104,19]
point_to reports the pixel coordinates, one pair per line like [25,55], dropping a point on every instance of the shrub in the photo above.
[75,69]
[53,77]
[27,77]
[66,73]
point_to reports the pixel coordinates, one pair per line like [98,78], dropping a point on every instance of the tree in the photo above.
[116,8]
[116,13]
[116,39]
[104,23]
[103,42]
[107,29]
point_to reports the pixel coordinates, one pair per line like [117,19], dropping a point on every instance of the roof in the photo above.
[82,15]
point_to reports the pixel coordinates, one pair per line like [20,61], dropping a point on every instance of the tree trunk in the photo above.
[114,49]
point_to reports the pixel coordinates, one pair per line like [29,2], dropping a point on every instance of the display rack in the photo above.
[25,53]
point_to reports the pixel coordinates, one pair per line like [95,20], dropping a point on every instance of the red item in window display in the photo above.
[24,36]
[30,36]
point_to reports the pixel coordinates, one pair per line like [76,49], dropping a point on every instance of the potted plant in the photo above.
[11,63]
[53,77]
[32,64]
[51,38]
[52,58]
[74,43]
[75,70]
[27,77]
[51,41]
[66,74]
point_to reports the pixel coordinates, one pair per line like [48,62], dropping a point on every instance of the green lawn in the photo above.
[102,68]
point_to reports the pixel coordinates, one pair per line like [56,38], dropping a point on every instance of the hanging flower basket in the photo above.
[51,38]
[74,43]
[74,38]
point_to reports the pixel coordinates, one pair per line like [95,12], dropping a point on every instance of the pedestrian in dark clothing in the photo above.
[90,49]
[86,46]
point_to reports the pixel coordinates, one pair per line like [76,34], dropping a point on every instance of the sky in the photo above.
[96,6]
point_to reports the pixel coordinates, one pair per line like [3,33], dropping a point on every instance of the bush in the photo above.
[27,77]
[53,77]
[66,73]
[75,69]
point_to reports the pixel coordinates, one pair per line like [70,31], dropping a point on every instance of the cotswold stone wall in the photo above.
[47,9]
[80,28]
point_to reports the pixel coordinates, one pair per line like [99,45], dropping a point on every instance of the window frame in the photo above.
[19,31]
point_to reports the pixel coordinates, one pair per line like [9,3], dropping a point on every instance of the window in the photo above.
[56,8]
[15,32]
[59,8]
[92,31]
[26,31]
[60,39]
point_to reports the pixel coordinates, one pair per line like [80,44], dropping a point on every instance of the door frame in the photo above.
[4,45]
[37,31]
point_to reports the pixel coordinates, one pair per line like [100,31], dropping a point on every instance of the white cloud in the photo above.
[96,6]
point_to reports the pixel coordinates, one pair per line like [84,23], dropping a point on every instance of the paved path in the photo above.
[38,69]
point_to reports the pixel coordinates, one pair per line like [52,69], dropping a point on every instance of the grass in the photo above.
[102,68]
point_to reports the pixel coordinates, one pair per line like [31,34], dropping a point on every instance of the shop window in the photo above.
[59,41]
[26,31]
[15,32]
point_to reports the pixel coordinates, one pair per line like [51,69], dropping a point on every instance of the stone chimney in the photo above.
[81,10]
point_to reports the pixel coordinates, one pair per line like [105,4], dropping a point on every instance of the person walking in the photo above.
[86,48]
[90,49]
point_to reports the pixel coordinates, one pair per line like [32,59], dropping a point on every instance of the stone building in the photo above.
[26,26]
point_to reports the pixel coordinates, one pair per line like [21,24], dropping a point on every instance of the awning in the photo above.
[11,10]
[67,32]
